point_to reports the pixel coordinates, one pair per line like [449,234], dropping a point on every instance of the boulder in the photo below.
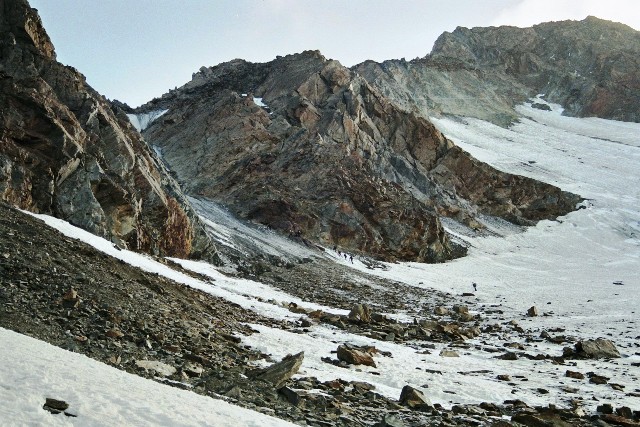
[278,373]
[461,309]
[599,348]
[413,398]
[532,312]
[55,406]
[441,311]
[355,356]
[360,313]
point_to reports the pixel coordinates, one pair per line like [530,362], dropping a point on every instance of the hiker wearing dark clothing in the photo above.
[475,287]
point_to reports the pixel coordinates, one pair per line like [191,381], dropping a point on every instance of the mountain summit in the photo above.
[590,67]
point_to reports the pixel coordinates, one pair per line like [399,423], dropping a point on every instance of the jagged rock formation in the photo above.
[64,151]
[590,67]
[332,159]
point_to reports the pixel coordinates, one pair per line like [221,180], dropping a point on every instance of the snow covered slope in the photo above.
[99,395]
[580,271]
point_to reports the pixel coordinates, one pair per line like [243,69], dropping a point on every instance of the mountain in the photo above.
[590,67]
[309,147]
[511,334]
[65,152]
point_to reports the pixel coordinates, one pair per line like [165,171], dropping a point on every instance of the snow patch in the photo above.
[143,120]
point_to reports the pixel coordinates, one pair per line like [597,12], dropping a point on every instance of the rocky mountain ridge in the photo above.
[328,157]
[590,67]
[65,152]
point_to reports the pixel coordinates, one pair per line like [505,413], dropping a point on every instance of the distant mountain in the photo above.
[590,67]
[65,152]
[311,148]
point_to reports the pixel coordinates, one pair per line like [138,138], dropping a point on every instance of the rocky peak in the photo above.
[65,151]
[328,158]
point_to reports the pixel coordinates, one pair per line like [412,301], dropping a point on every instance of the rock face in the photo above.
[330,159]
[590,67]
[64,151]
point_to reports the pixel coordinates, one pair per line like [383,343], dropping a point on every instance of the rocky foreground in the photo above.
[64,292]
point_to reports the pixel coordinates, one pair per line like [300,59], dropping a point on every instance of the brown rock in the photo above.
[532,312]
[355,356]
[114,333]
[574,374]
[361,313]
[413,398]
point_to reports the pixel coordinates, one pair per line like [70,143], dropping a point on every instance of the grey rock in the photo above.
[390,421]
[278,373]
[599,348]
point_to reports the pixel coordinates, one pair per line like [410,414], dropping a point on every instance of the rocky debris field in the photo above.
[64,292]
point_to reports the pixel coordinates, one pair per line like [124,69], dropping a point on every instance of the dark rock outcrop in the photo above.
[64,151]
[331,159]
[590,67]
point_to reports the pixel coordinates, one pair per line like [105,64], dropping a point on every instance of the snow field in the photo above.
[98,394]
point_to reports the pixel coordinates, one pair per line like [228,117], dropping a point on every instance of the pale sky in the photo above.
[134,50]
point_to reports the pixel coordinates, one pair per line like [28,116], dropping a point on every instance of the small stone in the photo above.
[508,356]
[504,377]
[55,404]
[461,309]
[605,408]
[193,369]
[532,312]
[390,421]
[598,379]
[624,411]
[574,374]
[292,396]
[159,368]
[448,353]
[441,311]
[114,333]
